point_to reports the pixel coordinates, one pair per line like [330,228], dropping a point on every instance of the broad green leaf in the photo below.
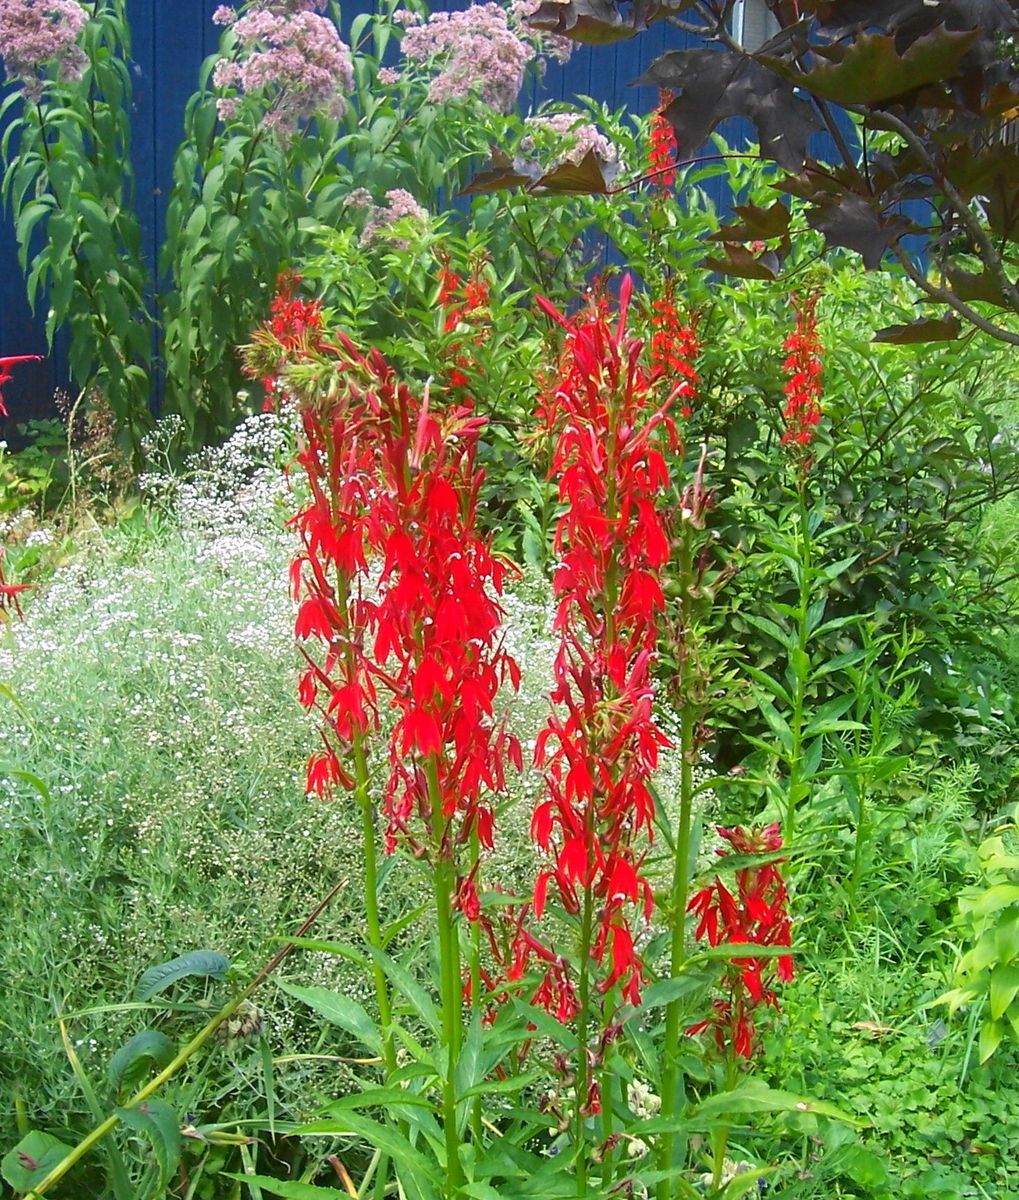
[777,723]
[664,991]
[1004,986]
[991,1035]
[145,1050]
[338,1010]
[208,963]
[769,627]
[32,1159]
[1002,895]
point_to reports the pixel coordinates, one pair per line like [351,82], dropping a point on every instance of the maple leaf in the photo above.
[853,222]
[711,85]
[871,71]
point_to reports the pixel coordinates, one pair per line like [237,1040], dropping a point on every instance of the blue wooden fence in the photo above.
[171,38]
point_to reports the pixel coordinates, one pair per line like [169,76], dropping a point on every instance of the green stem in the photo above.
[672,1084]
[369,842]
[444,880]
[800,670]
[583,1083]
[477,1129]
[197,1042]
[369,848]
[720,1135]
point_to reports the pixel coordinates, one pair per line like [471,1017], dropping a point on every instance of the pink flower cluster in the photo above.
[400,205]
[35,33]
[574,138]
[482,51]
[288,55]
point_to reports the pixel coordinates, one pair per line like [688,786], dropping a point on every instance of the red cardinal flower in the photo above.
[601,744]
[393,486]
[804,369]
[662,148]
[5,373]
[674,349]
[756,915]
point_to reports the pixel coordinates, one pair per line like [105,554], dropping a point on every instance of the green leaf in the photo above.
[32,1159]
[288,1189]
[338,1010]
[147,1049]
[156,1121]
[865,1168]
[776,723]
[662,993]
[991,1035]
[378,1097]
[1004,986]
[756,1097]
[1002,895]
[409,989]
[379,1137]
[207,963]
[774,631]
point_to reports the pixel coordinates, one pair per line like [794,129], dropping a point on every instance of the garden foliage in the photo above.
[606,672]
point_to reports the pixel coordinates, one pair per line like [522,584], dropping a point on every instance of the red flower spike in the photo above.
[757,915]
[608,428]
[675,347]
[804,369]
[5,373]
[662,147]
[393,480]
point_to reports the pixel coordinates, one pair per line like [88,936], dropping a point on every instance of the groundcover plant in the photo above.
[566,744]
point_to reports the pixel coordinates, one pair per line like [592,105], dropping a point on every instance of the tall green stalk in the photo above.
[798,786]
[369,847]
[369,844]
[444,883]
[672,1084]
[583,1083]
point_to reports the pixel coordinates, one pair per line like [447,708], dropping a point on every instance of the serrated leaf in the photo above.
[207,963]
[502,172]
[754,223]
[32,1159]
[129,1063]
[855,223]
[590,177]
[741,263]
[338,1010]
